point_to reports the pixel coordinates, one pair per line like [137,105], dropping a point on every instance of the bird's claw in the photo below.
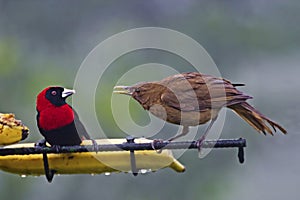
[95,146]
[56,147]
[153,144]
[200,143]
[40,144]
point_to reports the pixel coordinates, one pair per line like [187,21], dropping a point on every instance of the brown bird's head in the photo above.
[147,94]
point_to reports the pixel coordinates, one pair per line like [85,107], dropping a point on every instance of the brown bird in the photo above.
[191,99]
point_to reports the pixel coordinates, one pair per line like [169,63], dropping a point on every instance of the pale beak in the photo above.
[67,92]
[123,90]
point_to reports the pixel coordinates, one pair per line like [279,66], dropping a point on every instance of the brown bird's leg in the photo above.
[184,131]
[202,138]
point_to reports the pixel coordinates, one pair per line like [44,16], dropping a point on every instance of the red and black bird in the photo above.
[57,121]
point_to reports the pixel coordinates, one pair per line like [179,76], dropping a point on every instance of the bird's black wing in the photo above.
[79,127]
[38,123]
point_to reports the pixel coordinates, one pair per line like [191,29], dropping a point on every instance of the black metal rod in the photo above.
[224,143]
[134,170]
[49,173]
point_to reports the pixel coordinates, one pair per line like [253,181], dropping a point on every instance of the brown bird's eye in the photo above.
[53,93]
[137,90]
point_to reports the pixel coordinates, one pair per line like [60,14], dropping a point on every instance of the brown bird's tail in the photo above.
[255,118]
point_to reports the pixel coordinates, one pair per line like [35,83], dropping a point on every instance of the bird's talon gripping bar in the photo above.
[159,142]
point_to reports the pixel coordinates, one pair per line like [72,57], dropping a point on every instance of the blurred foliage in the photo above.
[43,44]
[8,59]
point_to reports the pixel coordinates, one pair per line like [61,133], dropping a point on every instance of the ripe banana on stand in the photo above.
[11,130]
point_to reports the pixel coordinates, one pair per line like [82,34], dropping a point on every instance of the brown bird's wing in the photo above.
[198,92]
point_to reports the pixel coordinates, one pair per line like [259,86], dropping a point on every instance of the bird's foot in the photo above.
[200,143]
[56,147]
[40,144]
[153,144]
[95,146]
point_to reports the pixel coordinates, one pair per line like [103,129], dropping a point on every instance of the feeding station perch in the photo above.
[113,155]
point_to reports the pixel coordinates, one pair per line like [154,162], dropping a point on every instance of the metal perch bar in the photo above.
[127,146]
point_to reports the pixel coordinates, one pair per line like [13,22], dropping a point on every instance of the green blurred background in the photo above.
[253,42]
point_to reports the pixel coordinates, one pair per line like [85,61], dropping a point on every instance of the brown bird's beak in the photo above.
[123,90]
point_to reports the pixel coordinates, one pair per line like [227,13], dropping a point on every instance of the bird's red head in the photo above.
[54,96]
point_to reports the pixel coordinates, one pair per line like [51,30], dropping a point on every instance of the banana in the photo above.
[89,162]
[11,130]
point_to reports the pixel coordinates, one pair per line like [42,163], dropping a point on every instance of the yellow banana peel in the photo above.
[89,162]
[11,130]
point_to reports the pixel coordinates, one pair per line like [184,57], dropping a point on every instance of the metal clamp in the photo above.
[41,144]
[130,139]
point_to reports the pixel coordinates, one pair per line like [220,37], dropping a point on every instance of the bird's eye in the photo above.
[137,90]
[53,93]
